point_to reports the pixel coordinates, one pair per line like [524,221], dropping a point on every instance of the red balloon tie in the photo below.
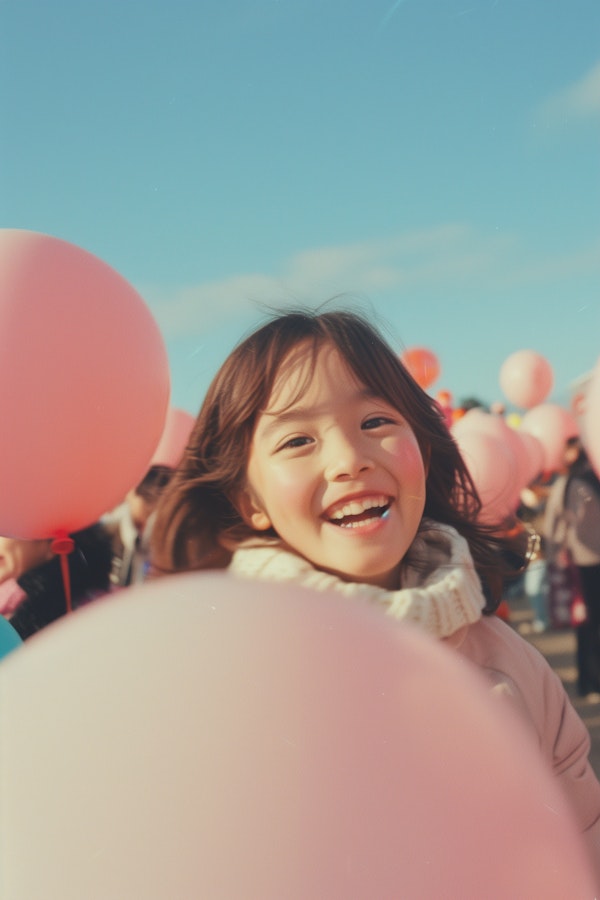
[62,545]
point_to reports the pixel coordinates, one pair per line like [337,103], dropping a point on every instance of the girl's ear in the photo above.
[251,511]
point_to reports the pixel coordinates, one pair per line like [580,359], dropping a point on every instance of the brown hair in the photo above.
[153,483]
[197,521]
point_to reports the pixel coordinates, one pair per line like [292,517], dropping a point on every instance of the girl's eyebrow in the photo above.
[276,419]
[298,412]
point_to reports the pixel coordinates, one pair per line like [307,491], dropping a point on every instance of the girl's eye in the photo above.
[376,422]
[295,442]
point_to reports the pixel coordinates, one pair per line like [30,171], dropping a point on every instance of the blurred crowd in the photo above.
[562,580]
[107,556]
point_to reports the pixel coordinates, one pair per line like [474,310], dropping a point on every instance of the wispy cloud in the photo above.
[579,100]
[450,253]
[581,261]
[446,257]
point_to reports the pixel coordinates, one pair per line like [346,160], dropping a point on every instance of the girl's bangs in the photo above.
[295,366]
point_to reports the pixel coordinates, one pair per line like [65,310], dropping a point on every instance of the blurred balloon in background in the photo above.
[176,434]
[491,465]
[422,364]
[551,425]
[513,420]
[482,456]
[535,455]
[526,378]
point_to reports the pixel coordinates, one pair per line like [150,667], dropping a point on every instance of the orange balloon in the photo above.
[422,364]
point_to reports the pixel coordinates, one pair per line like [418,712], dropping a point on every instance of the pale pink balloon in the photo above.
[84,386]
[495,426]
[473,419]
[551,425]
[234,739]
[178,428]
[526,378]
[591,419]
[491,465]
[535,454]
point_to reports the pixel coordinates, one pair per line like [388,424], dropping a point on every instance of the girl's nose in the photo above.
[346,459]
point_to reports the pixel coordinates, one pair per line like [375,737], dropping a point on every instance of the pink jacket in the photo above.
[538,695]
[445,600]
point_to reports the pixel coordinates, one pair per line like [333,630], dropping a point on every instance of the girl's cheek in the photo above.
[417,460]
[288,481]
[410,458]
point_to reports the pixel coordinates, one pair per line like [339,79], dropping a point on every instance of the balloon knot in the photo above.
[62,544]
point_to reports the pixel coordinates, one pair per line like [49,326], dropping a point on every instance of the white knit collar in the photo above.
[440,590]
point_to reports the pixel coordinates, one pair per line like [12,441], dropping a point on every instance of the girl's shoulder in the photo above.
[518,674]
[515,669]
[492,642]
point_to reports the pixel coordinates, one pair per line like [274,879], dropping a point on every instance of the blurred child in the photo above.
[130,527]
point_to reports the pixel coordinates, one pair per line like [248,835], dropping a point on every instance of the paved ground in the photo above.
[558,646]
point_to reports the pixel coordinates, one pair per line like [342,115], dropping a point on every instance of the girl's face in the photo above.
[18,556]
[336,472]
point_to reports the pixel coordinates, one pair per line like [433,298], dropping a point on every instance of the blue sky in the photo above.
[434,161]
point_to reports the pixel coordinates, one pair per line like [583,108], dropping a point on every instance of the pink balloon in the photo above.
[526,378]
[473,420]
[491,466]
[591,419]
[265,741]
[551,425]
[178,427]
[535,454]
[495,426]
[84,386]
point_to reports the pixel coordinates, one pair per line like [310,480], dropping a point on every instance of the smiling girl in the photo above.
[316,459]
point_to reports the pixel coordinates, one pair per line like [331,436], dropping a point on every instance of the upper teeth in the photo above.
[355,507]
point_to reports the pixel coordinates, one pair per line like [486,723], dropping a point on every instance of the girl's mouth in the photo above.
[355,513]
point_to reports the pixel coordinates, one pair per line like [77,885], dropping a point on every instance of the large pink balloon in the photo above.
[526,378]
[491,466]
[178,428]
[591,419]
[551,425]
[206,737]
[84,386]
